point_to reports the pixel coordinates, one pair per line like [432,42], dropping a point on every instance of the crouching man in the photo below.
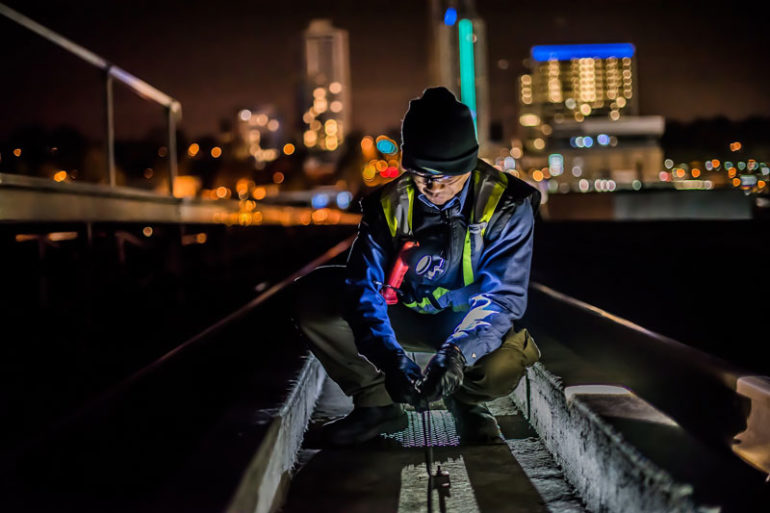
[469,228]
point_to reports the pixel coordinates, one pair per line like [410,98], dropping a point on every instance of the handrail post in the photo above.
[140,87]
[109,128]
[171,112]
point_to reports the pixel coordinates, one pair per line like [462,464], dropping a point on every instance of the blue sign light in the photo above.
[386,145]
[343,199]
[450,17]
[319,200]
[543,53]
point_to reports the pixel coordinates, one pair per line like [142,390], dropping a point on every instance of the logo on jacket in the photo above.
[430,265]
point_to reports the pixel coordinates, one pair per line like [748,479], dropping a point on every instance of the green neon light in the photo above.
[467,66]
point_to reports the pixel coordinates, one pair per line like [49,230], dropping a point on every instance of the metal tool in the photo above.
[442,484]
[428,443]
[440,481]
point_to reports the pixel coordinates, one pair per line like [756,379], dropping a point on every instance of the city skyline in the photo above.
[215,59]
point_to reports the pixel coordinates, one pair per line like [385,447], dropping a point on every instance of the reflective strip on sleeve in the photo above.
[426,305]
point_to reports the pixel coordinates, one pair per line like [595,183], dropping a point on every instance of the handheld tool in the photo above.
[440,481]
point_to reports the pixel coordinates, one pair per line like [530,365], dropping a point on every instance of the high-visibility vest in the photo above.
[488,185]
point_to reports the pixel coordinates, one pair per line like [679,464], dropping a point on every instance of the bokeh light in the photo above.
[450,16]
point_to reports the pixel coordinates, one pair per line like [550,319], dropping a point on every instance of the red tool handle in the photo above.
[397,274]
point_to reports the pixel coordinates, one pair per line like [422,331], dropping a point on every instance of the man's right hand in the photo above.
[401,374]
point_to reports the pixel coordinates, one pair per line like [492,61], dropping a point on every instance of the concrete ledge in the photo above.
[277,454]
[608,473]
[34,199]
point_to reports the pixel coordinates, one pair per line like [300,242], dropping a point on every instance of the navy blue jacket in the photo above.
[498,295]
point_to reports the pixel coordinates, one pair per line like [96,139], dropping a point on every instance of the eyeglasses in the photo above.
[428,178]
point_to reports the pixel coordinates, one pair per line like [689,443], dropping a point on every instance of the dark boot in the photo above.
[475,423]
[365,423]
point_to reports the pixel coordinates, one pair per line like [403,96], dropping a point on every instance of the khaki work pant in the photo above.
[317,312]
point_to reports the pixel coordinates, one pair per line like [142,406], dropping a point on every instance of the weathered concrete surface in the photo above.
[545,475]
[608,472]
[648,421]
[389,474]
[535,460]
[277,453]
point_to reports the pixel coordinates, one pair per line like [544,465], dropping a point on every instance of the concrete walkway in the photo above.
[388,474]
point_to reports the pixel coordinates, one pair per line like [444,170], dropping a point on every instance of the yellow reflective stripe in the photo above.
[390,213]
[467,262]
[439,291]
[494,199]
[424,303]
[410,195]
[489,209]
[391,201]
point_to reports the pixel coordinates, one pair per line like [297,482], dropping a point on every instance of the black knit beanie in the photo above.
[438,135]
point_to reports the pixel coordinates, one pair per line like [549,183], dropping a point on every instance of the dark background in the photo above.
[695,60]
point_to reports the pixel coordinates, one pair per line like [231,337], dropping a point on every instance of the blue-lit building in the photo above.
[579,105]
[577,82]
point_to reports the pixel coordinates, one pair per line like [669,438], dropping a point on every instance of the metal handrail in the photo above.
[140,87]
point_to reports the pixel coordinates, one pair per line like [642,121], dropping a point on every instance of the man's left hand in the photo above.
[444,373]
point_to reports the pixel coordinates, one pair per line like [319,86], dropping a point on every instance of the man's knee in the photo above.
[499,375]
[499,372]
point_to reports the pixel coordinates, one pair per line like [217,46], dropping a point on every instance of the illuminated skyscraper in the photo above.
[327,115]
[579,107]
[574,83]
[458,57]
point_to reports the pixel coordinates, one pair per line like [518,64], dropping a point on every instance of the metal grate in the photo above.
[443,431]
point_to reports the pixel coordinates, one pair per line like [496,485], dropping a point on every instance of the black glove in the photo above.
[443,374]
[401,374]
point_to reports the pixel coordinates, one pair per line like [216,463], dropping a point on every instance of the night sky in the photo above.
[695,59]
